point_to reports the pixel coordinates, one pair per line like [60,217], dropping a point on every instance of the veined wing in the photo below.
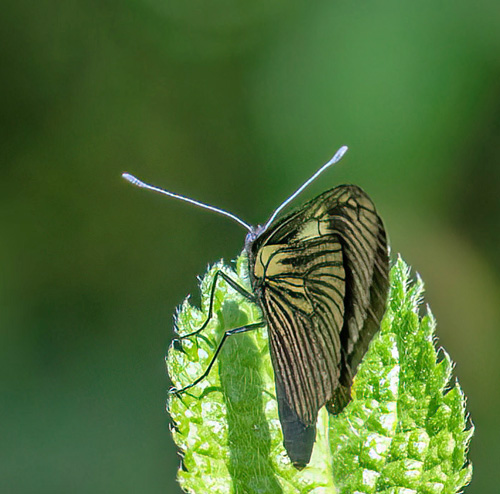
[303,300]
[351,215]
[321,274]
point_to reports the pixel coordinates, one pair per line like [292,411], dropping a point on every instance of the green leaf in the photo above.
[404,432]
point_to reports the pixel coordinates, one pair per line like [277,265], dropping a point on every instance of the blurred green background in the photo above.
[234,103]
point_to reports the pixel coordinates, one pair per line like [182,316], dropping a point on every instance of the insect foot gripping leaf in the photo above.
[405,429]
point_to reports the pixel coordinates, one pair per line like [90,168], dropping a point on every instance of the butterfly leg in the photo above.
[233,285]
[230,332]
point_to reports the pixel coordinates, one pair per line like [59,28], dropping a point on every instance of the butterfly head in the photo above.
[252,235]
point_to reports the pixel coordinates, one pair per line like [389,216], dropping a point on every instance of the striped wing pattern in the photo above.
[321,277]
[303,301]
[367,274]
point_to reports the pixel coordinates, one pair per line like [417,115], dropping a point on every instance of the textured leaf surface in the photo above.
[403,433]
[405,430]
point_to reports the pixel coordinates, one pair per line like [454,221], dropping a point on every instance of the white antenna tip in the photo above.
[133,180]
[339,154]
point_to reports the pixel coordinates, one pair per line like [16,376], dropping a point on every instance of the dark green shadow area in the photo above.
[248,430]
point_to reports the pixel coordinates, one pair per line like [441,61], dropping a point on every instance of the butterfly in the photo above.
[320,275]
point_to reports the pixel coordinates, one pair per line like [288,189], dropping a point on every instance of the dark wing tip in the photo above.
[299,442]
[298,438]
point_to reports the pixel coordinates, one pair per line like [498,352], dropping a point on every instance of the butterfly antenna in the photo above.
[139,183]
[337,157]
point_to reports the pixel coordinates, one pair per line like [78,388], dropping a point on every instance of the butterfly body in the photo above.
[320,276]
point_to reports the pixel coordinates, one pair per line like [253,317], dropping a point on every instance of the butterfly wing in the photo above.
[366,262]
[320,275]
[302,300]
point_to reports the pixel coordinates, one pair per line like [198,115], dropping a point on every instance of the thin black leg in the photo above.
[233,285]
[230,332]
